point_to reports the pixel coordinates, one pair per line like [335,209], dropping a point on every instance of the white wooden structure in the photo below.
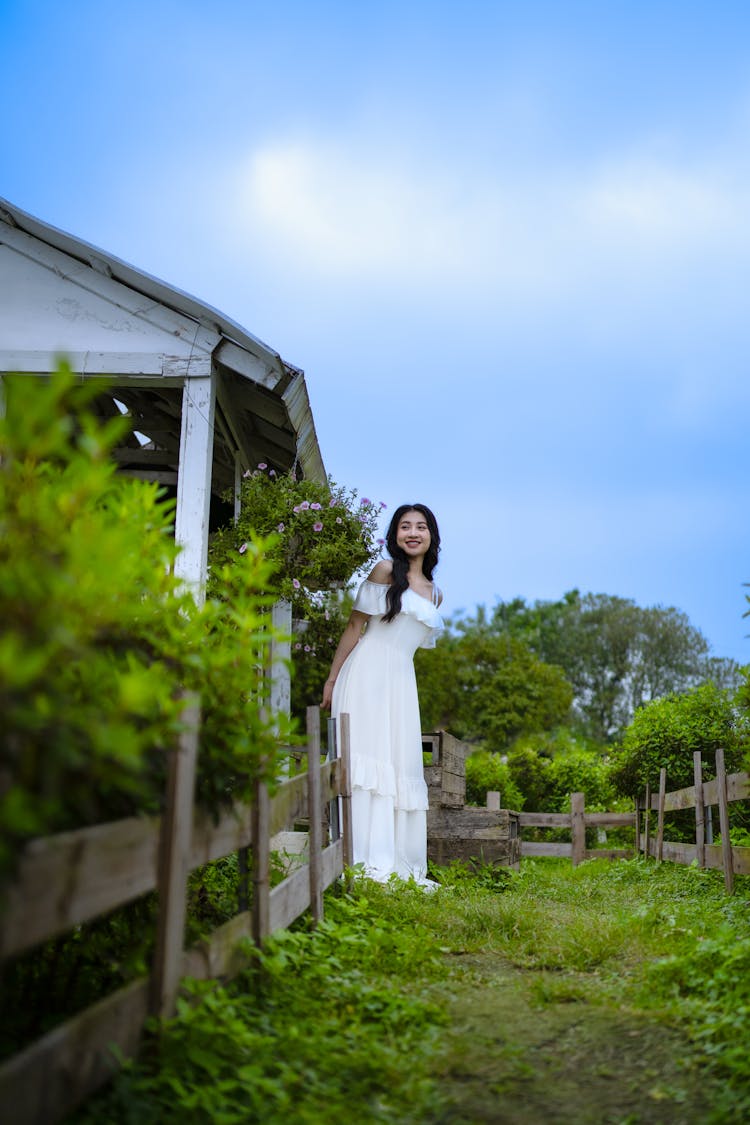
[208,399]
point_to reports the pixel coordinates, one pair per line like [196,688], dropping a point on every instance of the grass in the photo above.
[611,992]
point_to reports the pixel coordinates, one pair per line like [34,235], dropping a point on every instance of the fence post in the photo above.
[313,812]
[700,821]
[578,828]
[660,820]
[647,833]
[726,844]
[261,829]
[174,860]
[346,789]
[334,817]
[493,799]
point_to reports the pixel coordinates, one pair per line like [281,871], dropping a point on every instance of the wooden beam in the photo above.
[726,843]
[194,482]
[578,827]
[315,813]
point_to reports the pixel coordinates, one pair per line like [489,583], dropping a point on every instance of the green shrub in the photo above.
[665,733]
[100,639]
[487,771]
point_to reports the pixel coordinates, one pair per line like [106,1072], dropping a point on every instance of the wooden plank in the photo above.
[261,864]
[174,861]
[544,820]
[69,878]
[213,841]
[493,799]
[647,818]
[608,853]
[218,955]
[611,819]
[700,822]
[334,817]
[738,789]
[346,789]
[314,804]
[726,845]
[289,899]
[578,827]
[534,848]
[47,1081]
[660,821]
[680,799]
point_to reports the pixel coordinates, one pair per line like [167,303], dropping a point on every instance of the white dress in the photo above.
[377,686]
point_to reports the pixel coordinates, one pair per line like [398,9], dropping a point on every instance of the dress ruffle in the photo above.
[407,793]
[371,599]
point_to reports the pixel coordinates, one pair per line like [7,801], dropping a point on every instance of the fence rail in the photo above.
[576,822]
[68,879]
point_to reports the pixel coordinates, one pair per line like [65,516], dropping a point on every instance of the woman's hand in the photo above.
[325,702]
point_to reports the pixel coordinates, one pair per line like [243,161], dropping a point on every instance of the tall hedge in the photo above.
[99,639]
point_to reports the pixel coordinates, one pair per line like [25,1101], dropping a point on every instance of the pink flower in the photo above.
[332,502]
[298,646]
[304,505]
[246,473]
[318,526]
[262,465]
[364,501]
[296,508]
[339,519]
[296,583]
[243,548]
[307,648]
[315,507]
[272,472]
[382,505]
[380,542]
[280,527]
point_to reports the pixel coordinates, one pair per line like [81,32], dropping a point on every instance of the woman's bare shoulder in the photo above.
[382,572]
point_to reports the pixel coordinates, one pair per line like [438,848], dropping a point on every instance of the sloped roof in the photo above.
[263,405]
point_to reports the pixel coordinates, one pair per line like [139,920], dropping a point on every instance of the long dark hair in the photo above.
[400,578]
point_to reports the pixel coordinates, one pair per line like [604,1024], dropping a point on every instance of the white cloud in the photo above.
[359,211]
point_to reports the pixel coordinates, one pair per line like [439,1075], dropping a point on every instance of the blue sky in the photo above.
[509,243]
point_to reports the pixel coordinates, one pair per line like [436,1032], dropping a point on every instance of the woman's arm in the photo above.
[350,636]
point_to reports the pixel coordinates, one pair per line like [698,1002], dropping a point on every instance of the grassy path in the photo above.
[609,994]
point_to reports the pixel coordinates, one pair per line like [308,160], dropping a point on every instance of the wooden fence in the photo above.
[702,796]
[576,822]
[68,879]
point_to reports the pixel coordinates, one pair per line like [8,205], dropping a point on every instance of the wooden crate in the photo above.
[454,830]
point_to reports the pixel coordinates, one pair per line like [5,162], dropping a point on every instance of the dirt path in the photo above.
[513,1060]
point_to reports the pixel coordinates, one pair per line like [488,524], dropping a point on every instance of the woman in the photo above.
[372,679]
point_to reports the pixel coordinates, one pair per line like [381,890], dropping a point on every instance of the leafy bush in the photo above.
[100,639]
[665,734]
[322,1025]
[487,771]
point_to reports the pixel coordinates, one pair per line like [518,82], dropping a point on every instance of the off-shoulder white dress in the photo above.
[377,686]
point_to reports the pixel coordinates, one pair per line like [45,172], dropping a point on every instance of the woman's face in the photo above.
[413,534]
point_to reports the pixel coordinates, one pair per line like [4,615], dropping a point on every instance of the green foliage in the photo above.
[317,535]
[667,732]
[487,688]
[322,1022]
[315,641]
[486,771]
[617,655]
[100,639]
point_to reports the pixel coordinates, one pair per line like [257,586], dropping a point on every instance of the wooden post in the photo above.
[726,844]
[314,814]
[174,859]
[346,789]
[647,834]
[660,819]
[194,480]
[637,825]
[334,818]
[261,828]
[578,828]
[700,815]
[279,661]
[493,799]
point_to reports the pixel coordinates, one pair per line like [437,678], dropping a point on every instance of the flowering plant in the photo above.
[319,533]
